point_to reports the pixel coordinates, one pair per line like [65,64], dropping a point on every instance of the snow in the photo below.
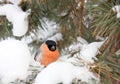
[74,47]
[117,52]
[88,52]
[56,37]
[81,40]
[17,17]
[63,14]
[49,30]
[68,67]
[1,0]
[14,60]
[117,9]
[64,72]
[100,38]
[15,56]
[16,2]
[83,50]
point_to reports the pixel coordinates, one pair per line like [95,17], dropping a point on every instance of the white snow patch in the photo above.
[14,60]
[83,51]
[117,52]
[49,30]
[88,52]
[17,17]
[81,40]
[29,39]
[16,2]
[56,37]
[63,72]
[1,0]
[63,13]
[117,9]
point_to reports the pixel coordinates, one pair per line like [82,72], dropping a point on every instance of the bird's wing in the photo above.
[37,55]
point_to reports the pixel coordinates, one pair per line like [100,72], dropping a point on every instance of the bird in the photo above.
[47,53]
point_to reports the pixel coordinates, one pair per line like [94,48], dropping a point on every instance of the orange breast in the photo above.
[48,56]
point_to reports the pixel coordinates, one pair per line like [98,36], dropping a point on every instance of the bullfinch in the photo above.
[47,53]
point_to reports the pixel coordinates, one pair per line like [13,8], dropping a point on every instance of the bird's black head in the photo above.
[51,45]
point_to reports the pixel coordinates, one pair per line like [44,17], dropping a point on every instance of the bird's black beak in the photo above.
[52,47]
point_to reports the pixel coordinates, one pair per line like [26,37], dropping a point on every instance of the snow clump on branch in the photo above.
[17,17]
[15,58]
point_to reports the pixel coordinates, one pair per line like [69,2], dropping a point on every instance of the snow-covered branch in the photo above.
[17,17]
[64,72]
